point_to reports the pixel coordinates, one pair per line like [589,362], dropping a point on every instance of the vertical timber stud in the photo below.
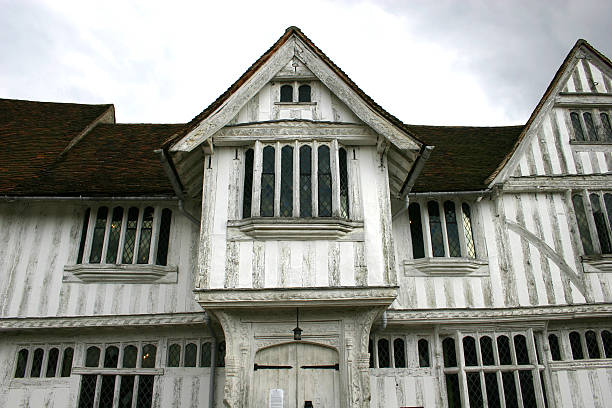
[209,184]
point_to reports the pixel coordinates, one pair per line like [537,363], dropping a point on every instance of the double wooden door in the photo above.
[307,374]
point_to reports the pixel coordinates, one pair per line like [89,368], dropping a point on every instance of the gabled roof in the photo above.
[289,32]
[554,84]
[34,134]
[463,157]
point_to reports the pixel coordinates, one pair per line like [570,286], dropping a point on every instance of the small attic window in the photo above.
[304,93]
[286,93]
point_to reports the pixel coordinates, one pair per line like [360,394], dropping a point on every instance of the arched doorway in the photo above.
[303,371]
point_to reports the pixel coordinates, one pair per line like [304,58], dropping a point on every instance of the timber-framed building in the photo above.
[295,245]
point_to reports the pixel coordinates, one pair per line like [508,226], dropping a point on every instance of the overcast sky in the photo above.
[427,62]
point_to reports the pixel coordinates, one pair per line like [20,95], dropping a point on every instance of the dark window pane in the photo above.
[588,120]
[111,357]
[286,93]
[608,203]
[114,234]
[577,126]
[37,359]
[126,391]
[606,338]
[130,236]
[600,224]
[305,181]
[248,184]
[83,235]
[286,195]
[492,389]
[468,232]
[325,182]
[164,237]
[221,354]
[22,362]
[174,355]
[452,391]
[450,354]
[371,353]
[423,346]
[67,362]
[52,362]
[344,196]
[191,355]
[553,344]
[88,391]
[107,390]
[486,350]
[591,343]
[146,230]
[145,391]
[527,389]
[149,352]
[130,356]
[503,348]
[605,120]
[304,93]
[474,389]
[98,235]
[267,183]
[469,351]
[509,389]
[399,353]
[435,227]
[536,340]
[520,348]
[577,352]
[416,230]
[454,247]
[205,349]
[383,353]
[583,225]
[92,357]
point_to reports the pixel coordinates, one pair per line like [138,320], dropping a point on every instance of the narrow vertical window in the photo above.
[92,357]
[344,196]
[606,339]
[146,230]
[164,237]
[22,362]
[286,193]
[605,121]
[149,353]
[221,354]
[577,126]
[423,349]
[304,93]
[52,362]
[371,353]
[37,360]
[248,183]
[130,356]
[553,344]
[452,390]
[88,391]
[416,230]
[503,349]
[435,227]
[509,384]
[588,120]
[174,355]
[520,349]
[114,234]
[474,389]
[130,235]
[286,93]
[325,182]
[205,350]
[486,350]
[98,235]
[67,361]
[608,203]
[83,235]
[106,391]
[583,226]
[399,353]
[454,247]
[126,391]
[145,391]
[267,183]
[600,224]
[111,357]
[591,343]
[468,231]
[449,352]
[305,181]
[577,353]
[191,355]
[469,351]
[384,360]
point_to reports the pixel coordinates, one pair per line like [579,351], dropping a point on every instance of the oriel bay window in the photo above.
[296,179]
[593,212]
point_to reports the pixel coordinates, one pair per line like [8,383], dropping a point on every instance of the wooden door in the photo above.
[305,372]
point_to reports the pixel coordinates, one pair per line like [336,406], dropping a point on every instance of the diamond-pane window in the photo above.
[486,350]
[520,348]
[423,349]
[492,389]
[286,194]
[114,235]
[577,126]
[600,224]
[325,182]
[503,348]
[416,230]
[92,357]
[450,354]
[146,233]
[527,389]
[286,93]
[469,351]
[67,362]
[454,246]
[164,237]
[553,344]
[576,345]
[605,121]
[22,362]
[591,343]
[149,352]
[606,339]
[344,196]
[126,391]
[383,354]
[304,93]
[452,390]
[174,355]
[130,356]
[98,235]
[474,390]
[305,181]
[248,183]
[468,231]
[130,235]
[588,120]
[221,354]
[583,225]
[509,384]
[191,355]
[88,391]
[205,357]
[107,391]
[111,357]
[399,353]
[37,360]
[435,228]
[52,361]
[83,235]
[145,391]
[267,183]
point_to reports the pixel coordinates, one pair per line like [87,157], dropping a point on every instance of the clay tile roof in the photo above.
[463,157]
[111,160]
[33,134]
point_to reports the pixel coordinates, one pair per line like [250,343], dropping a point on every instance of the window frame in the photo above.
[295,100]
[565,346]
[411,351]
[46,347]
[585,196]
[183,342]
[599,128]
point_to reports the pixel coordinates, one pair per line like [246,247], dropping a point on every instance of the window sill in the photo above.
[590,145]
[123,273]
[597,263]
[281,228]
[442,266]
[580,364]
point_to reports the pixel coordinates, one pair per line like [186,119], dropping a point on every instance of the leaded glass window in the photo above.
[83,235]
[474,389]
[164,237]
[588,120]
[37,360]
[126,391]
[67,362]
[174,355]
[371,353]
[486,351]
[605,121]
[88,391]
[468,231]
[248,183]
[553,344]
[305,181]
[130,356]
[450,354]
[111,357]
[286,93]
[454,246]
[22,362]
[583,226]
[324,182]
[221,354]
[520,348]
[52,361]
[383,354]
[435,229]
[106,391]
[205,356]
[423,349]
[416,230]
[304,93]
[399,353]
[114,235]
[606,339]
[591,344]
[98,235]
[576,344]
[469,351]
[600,224]
[130,235]
[92,357]
[191,355]
[503,349]
[267,183]
[149,353]
[452,390]
[577,126]
[146,233]
[344,195]
[286,194]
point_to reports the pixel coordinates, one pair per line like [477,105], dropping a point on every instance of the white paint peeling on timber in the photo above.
[570,85]
[516,254]
[457,288]
[321,266]
[604,383]
[597,77]
[523,166]
[585,388]
[552,148]
[529,204]
[271,261]
[586,162]
[601,160]
[347,268]
[494,270]
[586,87]
[440,296]
[564,134]
[421,295]
[297,254]
[597,292]
[477,292]
[245,267]
[537,154]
